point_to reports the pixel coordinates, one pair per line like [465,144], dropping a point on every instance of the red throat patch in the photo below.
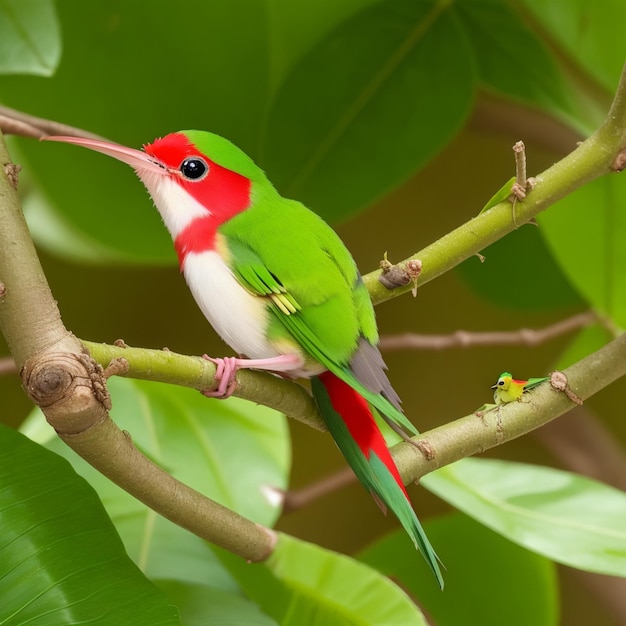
[199,236]
[222,192]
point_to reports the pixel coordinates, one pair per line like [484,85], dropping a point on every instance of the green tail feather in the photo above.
[533,382]
[297,327]
[376,477]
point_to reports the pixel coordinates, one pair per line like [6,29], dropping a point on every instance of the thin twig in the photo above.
[468,339]
[519,150]
[591,159]
[19,123]
[295,499]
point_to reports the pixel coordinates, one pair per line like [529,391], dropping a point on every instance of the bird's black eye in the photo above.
[500,382]
[194,168]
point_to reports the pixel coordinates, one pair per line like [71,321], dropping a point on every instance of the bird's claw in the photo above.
[224,377]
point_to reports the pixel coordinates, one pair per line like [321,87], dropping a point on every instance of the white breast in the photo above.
[240,318]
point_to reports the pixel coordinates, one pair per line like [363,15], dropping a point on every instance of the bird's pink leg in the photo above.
[228,366]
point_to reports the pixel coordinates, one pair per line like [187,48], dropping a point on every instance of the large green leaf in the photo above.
[568,518]
[30,38]
[590,32]
[61,561]
[586,232]
[520,272]
[512,59]
[485,575]
[296,27]
[367,106]
[203,605]
[230,450]
[302,583]
[362,107]
[586,341]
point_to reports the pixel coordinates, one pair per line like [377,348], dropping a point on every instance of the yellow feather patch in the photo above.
[285,303]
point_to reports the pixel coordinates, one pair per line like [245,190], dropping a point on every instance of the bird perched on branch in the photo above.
[509,389]
[280,287]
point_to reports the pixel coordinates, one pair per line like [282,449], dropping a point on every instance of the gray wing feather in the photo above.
[368,367]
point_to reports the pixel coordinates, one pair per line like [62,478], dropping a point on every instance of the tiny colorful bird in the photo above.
[280,287]
[508,389]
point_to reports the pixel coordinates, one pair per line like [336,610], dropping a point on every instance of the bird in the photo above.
[283,291]
[508,389]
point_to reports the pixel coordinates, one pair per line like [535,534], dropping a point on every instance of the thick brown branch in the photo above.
[70,387]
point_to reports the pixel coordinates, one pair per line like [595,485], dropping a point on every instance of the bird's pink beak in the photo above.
[138,160]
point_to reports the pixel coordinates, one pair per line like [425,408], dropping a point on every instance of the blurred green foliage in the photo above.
[395,105]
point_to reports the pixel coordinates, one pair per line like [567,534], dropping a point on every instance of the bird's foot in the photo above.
[224,377]
[227,370]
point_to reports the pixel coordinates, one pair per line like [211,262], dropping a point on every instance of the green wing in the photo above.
[312,284]
[533,382]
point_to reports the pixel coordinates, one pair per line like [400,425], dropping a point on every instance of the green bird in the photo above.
[279,286]
[508,389]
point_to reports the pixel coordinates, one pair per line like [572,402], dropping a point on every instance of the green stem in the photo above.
[472,434]
[191,371]
[593,158]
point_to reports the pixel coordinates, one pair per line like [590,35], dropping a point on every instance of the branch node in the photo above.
[97,376]
[619,163]
[52,377]
[116,367]
[120,343]
[558,382]
[3,290]
[12,173]
[425,447]
[401,274]
[522,184]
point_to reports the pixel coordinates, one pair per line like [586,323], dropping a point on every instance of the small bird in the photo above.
[508,389]
[279,286]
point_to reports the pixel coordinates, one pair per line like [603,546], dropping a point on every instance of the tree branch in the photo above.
[473,434]
[55,369]
[71,390]
[17,122]
[191,371]
[467,339]
[602,153]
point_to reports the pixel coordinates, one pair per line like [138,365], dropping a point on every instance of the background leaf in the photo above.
[485,574]
[51,519]
[367,133]
[568,518]
[229,450]
[111,46]
[30,38]
[201,605]
[520,272]
[585,232]
[302,583]
[526,71]
[588,32]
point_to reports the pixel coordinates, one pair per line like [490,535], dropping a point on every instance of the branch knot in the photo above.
[53,378]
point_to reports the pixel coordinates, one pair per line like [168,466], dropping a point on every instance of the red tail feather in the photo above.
[358,418]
